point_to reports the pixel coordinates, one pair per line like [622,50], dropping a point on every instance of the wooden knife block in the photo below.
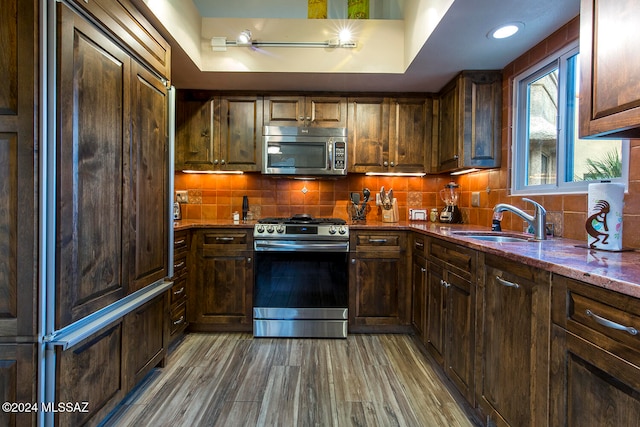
[391,215]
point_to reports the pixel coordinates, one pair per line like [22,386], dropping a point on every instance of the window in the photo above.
[548,156]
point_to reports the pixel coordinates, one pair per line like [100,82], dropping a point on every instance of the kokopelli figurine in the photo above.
[597,222]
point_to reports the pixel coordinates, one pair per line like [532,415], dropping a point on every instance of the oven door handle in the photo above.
[267,245]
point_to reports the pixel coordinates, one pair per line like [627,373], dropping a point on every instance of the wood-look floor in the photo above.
[238,380]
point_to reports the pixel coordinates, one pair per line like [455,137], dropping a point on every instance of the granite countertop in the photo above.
[617,271]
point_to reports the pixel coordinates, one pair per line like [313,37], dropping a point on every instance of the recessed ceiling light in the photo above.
[504,31]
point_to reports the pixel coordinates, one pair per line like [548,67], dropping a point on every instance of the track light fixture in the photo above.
[220,44]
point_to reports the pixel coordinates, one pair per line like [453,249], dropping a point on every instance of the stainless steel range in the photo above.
[301,277]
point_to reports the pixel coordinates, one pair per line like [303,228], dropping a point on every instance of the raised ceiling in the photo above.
[457,42]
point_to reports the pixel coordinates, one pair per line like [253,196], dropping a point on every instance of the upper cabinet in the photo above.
[469,122]
[218,132]
[610,69]
[312,111]
[389,135]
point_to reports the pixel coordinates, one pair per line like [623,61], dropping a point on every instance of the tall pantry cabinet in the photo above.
[18,204]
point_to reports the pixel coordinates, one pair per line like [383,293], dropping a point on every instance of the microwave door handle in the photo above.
[330,155]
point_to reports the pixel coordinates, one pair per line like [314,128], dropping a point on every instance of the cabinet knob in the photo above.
[301,118]
[205,133]
[249,260]
[353,260]
[456,157]
[222,161]
[392,164]
[424,270]
[385,163]
[215,162]
[308,118]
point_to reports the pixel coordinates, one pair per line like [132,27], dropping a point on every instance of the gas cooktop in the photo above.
[303,219]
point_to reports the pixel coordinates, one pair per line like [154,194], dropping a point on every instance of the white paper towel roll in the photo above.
[604,220]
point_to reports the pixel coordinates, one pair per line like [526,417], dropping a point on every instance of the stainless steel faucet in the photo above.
[537,221]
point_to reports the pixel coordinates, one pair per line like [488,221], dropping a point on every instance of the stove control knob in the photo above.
[280,228]
[270,228]
[260,228]
[332,229]
[342,229]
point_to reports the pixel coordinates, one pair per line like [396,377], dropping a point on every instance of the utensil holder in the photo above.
[391,215]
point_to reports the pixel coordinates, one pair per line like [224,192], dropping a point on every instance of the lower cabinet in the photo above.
[222,293]
[595,356]
[513,338]
[379,298]
[18,372]
[419,286]
[178,292]
[451,305]
[103,368]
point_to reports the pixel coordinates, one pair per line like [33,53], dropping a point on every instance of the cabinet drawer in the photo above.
[178,319]
[461,259]
[419,245]
[226,240]
[178,291]
[180,266]
[180,242]
[607,318]
[378,242]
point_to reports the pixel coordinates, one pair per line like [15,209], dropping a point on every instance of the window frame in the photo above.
[520,117]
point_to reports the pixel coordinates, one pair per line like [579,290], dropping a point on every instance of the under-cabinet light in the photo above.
[214,172]
[464,171]
[395,173]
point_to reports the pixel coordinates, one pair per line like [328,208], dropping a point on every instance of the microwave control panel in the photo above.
[340,155]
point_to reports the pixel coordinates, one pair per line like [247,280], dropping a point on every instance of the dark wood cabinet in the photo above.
[379,298]
[609,69]
[91,371]
[299,110]
[469,122]
[595,363]
[419,285]
[19,180]
[18,381]
[368,127]
[451,313]
[145,339]
[178,298]
[389,134]
[215,132]
[223,290]
[513,338]
[149,186]
[93,169]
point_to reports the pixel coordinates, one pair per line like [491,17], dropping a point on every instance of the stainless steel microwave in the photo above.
[304,151]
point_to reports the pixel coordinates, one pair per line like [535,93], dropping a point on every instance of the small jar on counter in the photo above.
[433,215]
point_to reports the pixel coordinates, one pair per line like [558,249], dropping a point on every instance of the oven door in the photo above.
[300,293]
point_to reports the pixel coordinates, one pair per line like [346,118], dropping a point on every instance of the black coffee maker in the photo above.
[451,213]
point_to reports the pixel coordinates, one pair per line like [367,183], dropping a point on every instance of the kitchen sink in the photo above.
[492,236]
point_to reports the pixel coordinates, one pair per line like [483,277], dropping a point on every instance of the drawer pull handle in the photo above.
[424,270]
[179,242]
[507,283]
[419,245]
[179,291]
[180,320]
[377,240]
[179,265]
[225,239]
[609,324]
[444,283]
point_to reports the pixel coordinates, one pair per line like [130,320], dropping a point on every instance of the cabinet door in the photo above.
[145,333]
[241,133]
[326,111]
[436,297]
[18,185]
[368,129]
[460,339]
[196,132]
[18,372]
[91,371]
[410,130]
[418,295]
[149,192]
[591,386]
[609,87]
[449,129]
[284,111]
[515,343]
[92,162]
